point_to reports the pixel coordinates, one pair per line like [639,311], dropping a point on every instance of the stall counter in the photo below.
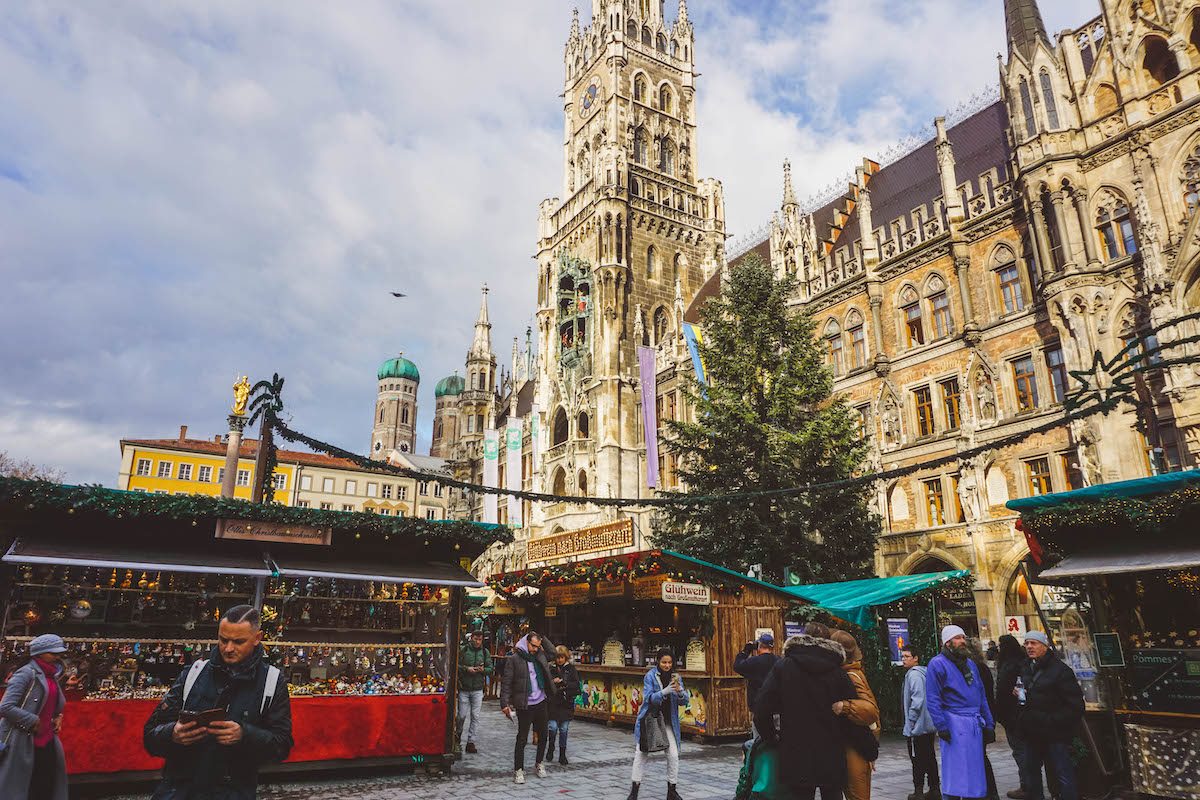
[104,736]
[615,693]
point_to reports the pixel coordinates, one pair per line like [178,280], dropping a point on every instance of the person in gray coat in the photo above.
[919,728]
[34,768]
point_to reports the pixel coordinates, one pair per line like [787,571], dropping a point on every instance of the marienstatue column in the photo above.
[237,423]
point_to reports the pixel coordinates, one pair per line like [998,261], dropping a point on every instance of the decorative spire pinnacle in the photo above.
[575,25]
[1023,22]
[789,195]
[482,346]
[683,17]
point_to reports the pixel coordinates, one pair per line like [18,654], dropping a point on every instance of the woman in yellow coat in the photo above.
[861,711]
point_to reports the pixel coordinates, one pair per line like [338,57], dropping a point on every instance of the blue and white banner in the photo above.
[512,469]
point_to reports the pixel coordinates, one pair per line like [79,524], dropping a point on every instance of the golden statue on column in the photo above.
[241,394]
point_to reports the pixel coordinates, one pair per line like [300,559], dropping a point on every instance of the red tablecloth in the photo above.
[106,735]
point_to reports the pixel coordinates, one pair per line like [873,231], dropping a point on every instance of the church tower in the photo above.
[634,223]
[395,408]
[445,415]
[475,398]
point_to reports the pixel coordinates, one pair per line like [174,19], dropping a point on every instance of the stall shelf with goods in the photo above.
[1127,556]
[615,613]
[361,613]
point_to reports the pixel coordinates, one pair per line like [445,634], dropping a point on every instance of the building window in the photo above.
[327,506]
[1116,230]
[221,476]
[666,158]
[835,351]
[306,482]
[423,488]
[280,481]
[401,492]
[164,468]
[327,484]
[858,346]
[651,261]
[243,477]
[1038,470]
[1191,181]
[1025,383]
[370,510]
[924,400]
[912,322]
[347,506]
[864,419]
[1058,373]
[439,490]
[351,487]
[959,516]
[185,472]
[1027,110]
[639,146]
[143,468]
[1165,457]
[940,303]
[470,424]
[639,88]
[1011,293]
[934,501]
[387,491]
[1048,100]
[161,491]
[951,398]
[1071,472]
[372,489]
[139,489]
[431,513]
[204,474]
[387,512]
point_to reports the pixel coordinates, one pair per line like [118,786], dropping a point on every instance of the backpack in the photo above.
[268,689]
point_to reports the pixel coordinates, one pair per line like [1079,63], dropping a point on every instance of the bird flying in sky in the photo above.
[399,294]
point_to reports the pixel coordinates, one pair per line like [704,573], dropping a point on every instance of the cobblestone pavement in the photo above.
[600,762]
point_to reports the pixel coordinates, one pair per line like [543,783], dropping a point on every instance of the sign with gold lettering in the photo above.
[572,594]
[614,653]
[606,589]
[258,531]
[647,588]
[609,536]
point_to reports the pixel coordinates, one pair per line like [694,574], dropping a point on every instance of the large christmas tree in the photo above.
[767,420]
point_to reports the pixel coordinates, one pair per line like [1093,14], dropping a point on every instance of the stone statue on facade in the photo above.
[891,422]
[1085,457]
[986,395]
[968,492]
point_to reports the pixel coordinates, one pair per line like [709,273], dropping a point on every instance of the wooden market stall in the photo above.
[360,612]
[614,613]
[1127,556]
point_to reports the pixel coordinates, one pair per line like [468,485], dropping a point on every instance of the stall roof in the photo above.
[732,573]
[1123,557]
[179,558]
[439,573]
[1158,484]
[853,600]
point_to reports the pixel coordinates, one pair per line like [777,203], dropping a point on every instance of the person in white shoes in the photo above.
[524,690]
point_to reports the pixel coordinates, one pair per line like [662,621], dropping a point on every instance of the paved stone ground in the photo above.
[599,770]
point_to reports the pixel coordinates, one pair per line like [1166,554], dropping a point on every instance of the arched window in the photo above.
[581,426]
[1158,63]
[560,482]
[664,99]
[1048,99]
[674,48]
[677,268]
[439,429]
[858,340]
[666,157]
[1104,101]
[381,412]
[910,307]
[661,325]
[581,484]
[631,30]
[635,187]
[404,415]
[661,43]
[1008,281]
[833,339]
[1027,110]
[647,39]
[651,261]
[639,146]
[1191,181]
[640,90]
[1115,227]
[1194,36]
[561,428]
[939,306]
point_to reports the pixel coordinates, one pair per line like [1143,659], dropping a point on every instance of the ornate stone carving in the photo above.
[890,418]
[985,397]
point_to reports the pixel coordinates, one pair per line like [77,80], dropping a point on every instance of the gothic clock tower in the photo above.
[632,240]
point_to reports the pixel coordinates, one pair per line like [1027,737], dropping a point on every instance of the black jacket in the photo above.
[802,688]
[755,670]
[514,685]
[207,770]
[1004,710]
[1053,699]
[562,697]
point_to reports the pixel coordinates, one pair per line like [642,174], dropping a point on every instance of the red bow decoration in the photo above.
[1035,547]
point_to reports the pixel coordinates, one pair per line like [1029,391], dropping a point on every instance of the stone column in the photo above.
[237,423]
[1060,221]
[1085,230]
[876,322]
[970,327]
[1046,263]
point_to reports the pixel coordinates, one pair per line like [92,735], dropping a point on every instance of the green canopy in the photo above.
[853,601]
[1158,484]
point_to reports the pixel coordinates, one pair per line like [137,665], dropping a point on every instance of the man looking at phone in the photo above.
[474,665]
[221,721]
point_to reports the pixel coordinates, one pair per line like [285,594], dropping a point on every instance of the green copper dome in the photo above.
[450,385]
[399,367]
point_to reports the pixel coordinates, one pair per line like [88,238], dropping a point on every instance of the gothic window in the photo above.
[1191,181]
[940,306]
[631,30]
[661,325]
[635,187]
[664,99]
[911,308]
[581,426]
[639,146]
[1115,227]
[640,89]
[1025,383]
[674,48]
[439,429]
[858,340]
[651,261]
[561,428]
[951,403]
[1104,101]
[479,423]
[1012,296]
[661,43]
[1194,36]
[646,37]
[560,482]
[934,501]
[1158,63]
[1048,99]
[666,157]
[675,268]
[645,7]
[581,488]
[833,339]
[1027,110]
[404,415]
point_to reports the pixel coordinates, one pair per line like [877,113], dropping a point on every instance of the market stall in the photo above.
[614,614]
[361,613]
[1124,558]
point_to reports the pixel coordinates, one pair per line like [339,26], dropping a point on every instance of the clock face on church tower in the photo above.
[589,98]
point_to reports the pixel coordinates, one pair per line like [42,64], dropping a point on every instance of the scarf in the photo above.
[961,661]
[46,715]
[538,670]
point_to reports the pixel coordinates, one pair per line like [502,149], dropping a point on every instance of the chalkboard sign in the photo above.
[1166,680]
[1108,649]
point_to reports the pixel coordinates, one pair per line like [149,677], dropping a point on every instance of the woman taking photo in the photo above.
[32,766]
[562,702]
[657,725]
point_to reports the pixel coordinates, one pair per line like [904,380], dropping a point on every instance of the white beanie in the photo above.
[950,631]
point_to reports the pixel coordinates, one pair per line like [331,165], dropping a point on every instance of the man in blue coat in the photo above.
[959,710]
[918,727]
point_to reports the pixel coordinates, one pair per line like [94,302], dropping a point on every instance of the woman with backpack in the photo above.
[32,765]
[861,719]
[565,679]
[657,725]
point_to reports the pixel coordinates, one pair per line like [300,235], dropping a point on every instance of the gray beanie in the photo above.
[47,643]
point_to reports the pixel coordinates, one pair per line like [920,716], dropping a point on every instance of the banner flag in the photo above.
[649,384]
[694,336]
[535,435]
[512,469]
[491,476]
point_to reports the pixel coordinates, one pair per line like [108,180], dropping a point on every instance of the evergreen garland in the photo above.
[611,570]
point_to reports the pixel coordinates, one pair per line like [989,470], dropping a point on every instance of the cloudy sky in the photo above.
[193,191]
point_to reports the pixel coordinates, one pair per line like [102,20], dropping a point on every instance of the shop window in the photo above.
[934,501]
[1058,373]
[1115,228]
[951,399]
[924,400]
[1037,470]
[940,304]
[1025,383]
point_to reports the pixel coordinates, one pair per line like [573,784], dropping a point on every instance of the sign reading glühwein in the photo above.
[609,536]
